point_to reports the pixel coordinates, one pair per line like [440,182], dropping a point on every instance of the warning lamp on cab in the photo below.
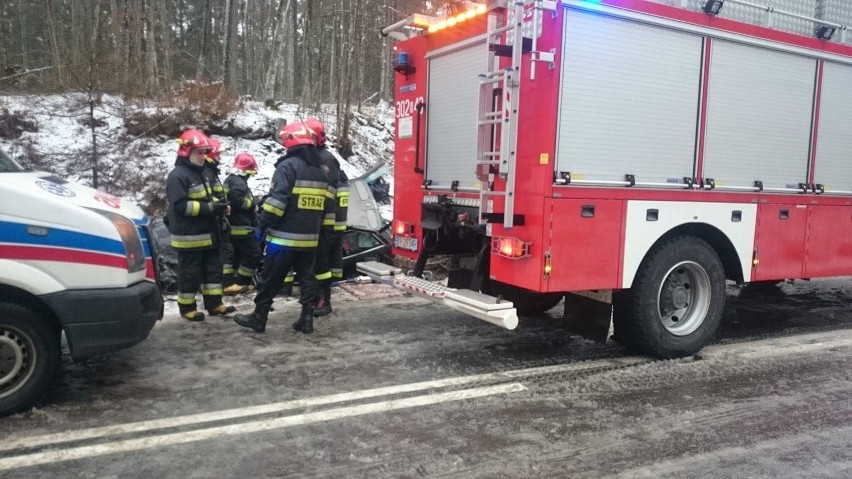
[402,63]
[454,19]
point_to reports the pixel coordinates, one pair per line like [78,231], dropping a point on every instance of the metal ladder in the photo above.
[496,156]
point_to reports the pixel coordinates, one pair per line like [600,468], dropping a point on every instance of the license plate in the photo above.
[405,242]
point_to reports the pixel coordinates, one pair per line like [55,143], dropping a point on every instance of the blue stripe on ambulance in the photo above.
[17,233]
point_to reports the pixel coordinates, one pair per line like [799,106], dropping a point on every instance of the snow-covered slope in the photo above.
[131,165]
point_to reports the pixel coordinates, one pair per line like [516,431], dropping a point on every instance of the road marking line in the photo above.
[142,426]
[82,452]
[781,346]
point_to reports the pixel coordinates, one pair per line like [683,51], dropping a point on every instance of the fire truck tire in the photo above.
[29,357]
[677,298]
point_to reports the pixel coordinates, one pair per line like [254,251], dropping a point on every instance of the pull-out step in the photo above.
[487,308]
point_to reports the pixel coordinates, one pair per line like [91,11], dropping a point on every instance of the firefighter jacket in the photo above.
[218,191]
[243,207]
[332,169]
[342,201]
[292,213]
[193,215]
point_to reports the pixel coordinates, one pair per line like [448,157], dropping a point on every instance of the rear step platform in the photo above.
[487,308]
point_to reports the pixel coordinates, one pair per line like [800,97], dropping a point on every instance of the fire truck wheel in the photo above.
[29,357]
[677,299]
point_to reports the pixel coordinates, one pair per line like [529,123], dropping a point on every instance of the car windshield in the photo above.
[8,165]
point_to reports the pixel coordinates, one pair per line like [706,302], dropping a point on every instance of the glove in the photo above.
[219,208]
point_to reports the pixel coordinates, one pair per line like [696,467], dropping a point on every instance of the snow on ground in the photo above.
[64,141]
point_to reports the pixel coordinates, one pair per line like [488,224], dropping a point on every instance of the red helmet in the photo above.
[216,150]
[319,129]
[297,134]
[192,140]
[245,163]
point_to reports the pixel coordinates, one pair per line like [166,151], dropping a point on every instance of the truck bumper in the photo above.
[99,321]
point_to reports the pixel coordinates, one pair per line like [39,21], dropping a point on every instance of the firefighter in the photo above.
[329,240]
[291,217]
[195,231]
[243,221]
[219,194]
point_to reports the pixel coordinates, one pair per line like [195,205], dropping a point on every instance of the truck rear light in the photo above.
[509,247]
[402,228]
[129,238]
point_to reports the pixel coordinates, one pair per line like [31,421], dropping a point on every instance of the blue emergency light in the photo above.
[402,63]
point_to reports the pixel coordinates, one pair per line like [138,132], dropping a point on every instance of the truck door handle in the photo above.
[784,214]
[587,211]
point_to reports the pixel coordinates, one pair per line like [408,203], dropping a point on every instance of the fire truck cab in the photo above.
[627,155]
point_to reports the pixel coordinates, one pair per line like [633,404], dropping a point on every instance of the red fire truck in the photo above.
[627,155]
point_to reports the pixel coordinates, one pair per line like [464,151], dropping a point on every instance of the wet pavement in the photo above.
[393,386]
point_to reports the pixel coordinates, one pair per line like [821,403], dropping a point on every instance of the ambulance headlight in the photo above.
[129,238]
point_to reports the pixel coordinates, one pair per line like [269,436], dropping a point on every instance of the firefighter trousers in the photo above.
[335,255]
[226,258]
[247,257]
[322,267]
[275,268]
[199,270]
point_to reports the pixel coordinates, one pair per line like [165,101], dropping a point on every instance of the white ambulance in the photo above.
[72,260]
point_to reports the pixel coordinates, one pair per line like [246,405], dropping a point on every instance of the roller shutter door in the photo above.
[452,111]
[629,100]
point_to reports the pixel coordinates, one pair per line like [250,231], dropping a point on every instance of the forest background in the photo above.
[165,65]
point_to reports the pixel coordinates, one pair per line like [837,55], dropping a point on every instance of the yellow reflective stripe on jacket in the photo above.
[241,230]
[274,206]
[339,227]
[294,240]
[191,241]
[193,208]
[197,192]
[248,203]
[272,209]
[310,184]
[302,190]
[329,219]
[331,192]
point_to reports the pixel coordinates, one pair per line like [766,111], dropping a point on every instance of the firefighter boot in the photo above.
[305,324]
[235,288]
[189,313]
[324,304]
[193,315]
[256,320]
[222,310]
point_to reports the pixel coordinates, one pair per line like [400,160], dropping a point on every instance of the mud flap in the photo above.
[589,314]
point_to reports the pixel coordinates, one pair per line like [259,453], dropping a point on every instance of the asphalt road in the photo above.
[392,386]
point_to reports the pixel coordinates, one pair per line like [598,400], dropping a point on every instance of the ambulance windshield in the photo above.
[8,165]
